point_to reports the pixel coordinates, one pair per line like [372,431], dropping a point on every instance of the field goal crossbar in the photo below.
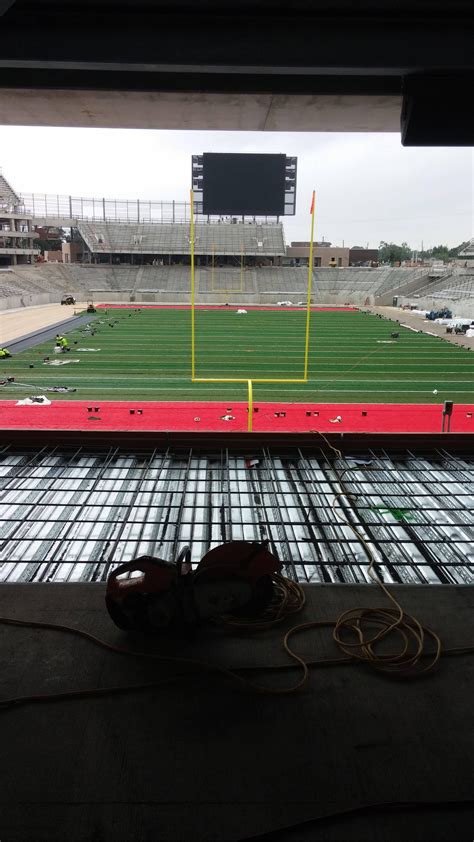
[247,380]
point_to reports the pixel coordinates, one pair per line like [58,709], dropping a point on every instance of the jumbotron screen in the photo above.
[243,184]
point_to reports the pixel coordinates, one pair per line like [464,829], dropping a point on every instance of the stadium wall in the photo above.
[14,302]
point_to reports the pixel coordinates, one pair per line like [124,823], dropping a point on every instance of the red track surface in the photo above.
[116,415]
[218,307]
[207,416]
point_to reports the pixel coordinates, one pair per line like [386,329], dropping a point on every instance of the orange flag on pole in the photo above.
[312,204]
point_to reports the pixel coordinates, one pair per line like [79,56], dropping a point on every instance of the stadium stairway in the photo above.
[435,284]
[400,282]
[456,293]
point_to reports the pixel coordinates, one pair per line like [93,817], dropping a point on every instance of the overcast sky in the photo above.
[368,187]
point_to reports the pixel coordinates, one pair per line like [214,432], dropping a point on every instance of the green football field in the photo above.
[146,355]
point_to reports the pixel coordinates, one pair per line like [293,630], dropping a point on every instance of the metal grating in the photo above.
[70,515]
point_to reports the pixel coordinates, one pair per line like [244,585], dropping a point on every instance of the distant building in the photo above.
[324,255]
[54,256]
[359,256]
[322,244]
[74,252]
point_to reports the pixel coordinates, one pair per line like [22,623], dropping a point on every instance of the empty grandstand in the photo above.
[171,240]
[140,251]
[455,290]
[44,283]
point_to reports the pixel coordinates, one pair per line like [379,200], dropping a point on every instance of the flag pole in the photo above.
[310,283]
[191,236]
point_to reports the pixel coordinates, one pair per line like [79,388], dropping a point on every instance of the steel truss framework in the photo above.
[72,514]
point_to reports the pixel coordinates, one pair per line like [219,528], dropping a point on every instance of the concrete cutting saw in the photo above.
[149,594]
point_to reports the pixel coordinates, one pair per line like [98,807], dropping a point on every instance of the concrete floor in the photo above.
[203,760]
[47,334]
[419,323]
[25,320]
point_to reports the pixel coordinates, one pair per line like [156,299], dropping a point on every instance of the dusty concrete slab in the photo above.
[202,760]
[48,333]
[26,320]
[421,324]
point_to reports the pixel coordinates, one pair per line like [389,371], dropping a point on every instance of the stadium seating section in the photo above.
[173,238]
[141,245]
[264,285]
[454,287]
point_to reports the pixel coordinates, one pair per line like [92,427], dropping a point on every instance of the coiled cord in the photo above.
[358,633]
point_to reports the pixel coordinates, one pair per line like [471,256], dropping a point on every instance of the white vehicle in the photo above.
[285,303]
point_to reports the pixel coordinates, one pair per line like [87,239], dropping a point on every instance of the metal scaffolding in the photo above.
[71,515]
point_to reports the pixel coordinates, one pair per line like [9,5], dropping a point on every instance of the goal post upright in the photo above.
[249,381]
[308,298]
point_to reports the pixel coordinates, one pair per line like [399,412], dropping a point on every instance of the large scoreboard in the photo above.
[239,184]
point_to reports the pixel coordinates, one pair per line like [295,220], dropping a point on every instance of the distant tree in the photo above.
[74,236]
[49,239]
[392,253]
[440,253]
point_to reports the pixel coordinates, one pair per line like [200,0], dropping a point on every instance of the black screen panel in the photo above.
[243,184]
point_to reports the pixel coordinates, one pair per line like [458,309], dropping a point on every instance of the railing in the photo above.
[104,210]
[27,250]
[113,210]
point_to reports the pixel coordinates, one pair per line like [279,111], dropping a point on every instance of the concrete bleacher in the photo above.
[174,238]
[451,280]
[6,291]
[400,281]
[28,285]
[265,285]
[456,293]
[174,284]
[281,279]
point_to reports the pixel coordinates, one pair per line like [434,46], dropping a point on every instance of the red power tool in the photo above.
[232,579]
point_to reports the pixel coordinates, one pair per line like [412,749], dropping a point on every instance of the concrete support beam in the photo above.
[200,111]
[57,221]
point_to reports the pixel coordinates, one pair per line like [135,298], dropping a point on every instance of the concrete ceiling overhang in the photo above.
[204,111]
[259,65]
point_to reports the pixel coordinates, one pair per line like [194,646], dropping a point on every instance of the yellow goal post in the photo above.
[248,380]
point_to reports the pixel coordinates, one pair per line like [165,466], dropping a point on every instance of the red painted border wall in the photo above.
[267,417]
[139,306]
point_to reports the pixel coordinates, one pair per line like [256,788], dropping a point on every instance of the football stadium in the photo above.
[194,319]
[236,467]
